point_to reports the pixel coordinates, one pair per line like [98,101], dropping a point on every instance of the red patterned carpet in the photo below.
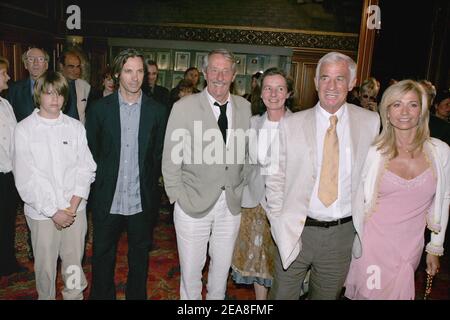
[164,273]
[163,282]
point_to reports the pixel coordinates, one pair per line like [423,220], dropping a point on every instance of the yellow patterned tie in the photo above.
[328,184]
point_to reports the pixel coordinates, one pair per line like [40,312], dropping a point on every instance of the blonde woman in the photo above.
[368,93]
[406,185]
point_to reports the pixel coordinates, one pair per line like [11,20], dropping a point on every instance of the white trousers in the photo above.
[220,228]
[49,244]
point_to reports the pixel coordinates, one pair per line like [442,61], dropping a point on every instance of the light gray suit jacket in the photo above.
[289,191]
[82,88]
[255,190]
[190,177]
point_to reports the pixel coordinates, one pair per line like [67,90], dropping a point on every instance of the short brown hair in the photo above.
[54,79]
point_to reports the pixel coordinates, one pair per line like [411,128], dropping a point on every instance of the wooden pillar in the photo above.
[366,42]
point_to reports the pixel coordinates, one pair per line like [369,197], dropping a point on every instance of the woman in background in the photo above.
[105,87]
[368,93]
[8,193]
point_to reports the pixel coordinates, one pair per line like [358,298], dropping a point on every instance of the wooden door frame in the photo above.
[365,45]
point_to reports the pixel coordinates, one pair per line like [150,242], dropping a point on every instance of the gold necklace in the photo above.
[409,152]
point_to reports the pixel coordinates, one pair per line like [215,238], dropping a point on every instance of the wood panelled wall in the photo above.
[303,70]
[15,42]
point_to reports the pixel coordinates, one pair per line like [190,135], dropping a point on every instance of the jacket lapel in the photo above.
[26,93]
[146,120]
[210,119]
[311,136]
[260,121]
[114,120]
[355,137]
[234,112]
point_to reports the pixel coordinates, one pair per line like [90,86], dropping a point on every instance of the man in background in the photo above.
[125,132]
[79,89]
[151,88]
[20,94]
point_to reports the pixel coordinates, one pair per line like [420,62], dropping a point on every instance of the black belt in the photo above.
[326,224]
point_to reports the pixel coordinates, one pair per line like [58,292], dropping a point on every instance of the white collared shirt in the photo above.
[7,125]
[216,110]
[342,207]
[52,163]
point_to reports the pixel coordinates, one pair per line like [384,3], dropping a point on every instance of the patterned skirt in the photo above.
[254,250]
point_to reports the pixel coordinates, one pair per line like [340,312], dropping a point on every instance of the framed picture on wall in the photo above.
[199,56]
[239,85]
[176,77]
[149,56]
[240,63]
[182,61]
[254,65]
[163,60]
[161,78]
[271,62]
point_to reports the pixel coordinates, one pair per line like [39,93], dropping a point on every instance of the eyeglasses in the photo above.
[31,59]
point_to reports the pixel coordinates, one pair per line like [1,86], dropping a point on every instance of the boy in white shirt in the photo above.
[53,170]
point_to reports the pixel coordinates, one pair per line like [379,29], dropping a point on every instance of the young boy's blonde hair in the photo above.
[52,79]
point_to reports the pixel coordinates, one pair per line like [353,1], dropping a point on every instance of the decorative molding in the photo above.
[282,38]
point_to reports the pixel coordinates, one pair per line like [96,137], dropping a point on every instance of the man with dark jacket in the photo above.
[125,132]
[150,88]
[20,94]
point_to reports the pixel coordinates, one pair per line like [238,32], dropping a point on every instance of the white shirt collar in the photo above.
[46,121]
[211,99]
[324,114]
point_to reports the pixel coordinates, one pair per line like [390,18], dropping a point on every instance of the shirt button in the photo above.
[226,168]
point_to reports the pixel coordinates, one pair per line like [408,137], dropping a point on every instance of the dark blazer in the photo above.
[439,128]
[103,135]
[19,95]
[160,94]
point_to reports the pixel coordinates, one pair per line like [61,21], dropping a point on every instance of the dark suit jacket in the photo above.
[439,129]
[103,134]
[160,94]
[19,95]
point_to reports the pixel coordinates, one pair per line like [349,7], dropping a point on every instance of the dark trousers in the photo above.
[106,233]
[8,210]
[328,252]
